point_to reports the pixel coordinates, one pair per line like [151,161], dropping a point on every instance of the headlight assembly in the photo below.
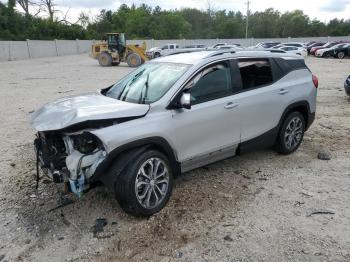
[86,143]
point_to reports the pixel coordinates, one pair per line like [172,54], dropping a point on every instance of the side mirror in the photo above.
[185,100]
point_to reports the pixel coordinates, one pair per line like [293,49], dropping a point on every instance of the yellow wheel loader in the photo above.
[114,50]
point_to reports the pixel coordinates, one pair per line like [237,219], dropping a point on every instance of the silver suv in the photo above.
[171,115]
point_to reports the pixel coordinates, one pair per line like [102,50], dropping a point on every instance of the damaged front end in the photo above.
[70,158]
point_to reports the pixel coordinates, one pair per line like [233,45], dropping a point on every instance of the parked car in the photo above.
[294,44]
[194,46]
[217,45]
[171,115]
[341,52]
[150,52]
[310,43]
[164,50]
[295,50]
[235,47]
[265,45]
[328,52]
[327,45]
[314,45]
[347,85]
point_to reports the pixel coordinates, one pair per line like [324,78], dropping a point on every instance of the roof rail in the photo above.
[263,50]
[220,52]
[276,51]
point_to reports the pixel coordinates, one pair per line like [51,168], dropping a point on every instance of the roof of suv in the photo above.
[197,57]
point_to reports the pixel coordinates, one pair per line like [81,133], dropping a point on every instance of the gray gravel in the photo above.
[254,207]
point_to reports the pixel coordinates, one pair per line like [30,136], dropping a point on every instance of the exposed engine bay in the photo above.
[70,158]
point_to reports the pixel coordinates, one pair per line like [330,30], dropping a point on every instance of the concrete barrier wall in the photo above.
[66,47]
[84,46]
[39,48]
[17,50]
[4,50]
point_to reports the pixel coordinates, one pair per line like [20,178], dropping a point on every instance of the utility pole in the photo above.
[247,19]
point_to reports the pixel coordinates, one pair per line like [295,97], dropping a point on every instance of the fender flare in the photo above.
[123,155]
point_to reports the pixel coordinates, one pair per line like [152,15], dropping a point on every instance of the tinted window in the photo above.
[211,83]
[255,72]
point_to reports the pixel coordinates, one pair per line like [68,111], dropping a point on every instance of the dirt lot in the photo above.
[254,207]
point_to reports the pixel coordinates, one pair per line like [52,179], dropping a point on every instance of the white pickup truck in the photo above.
[161,51]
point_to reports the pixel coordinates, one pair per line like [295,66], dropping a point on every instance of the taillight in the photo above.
[315,80]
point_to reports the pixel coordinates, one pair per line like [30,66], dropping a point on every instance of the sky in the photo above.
[323,10]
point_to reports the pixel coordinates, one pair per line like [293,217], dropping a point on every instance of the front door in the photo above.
[210,130]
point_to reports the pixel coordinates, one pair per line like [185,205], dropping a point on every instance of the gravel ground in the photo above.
[255,207]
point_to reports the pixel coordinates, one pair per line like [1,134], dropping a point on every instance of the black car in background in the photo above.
[330,52]
[347,85]
[341,51]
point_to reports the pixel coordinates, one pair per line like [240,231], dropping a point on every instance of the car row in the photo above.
[339,49]
[167,49]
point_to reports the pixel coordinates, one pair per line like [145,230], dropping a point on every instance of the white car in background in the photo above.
[161,51]
[228,47]
[292,44]
[295,50]
[222,45]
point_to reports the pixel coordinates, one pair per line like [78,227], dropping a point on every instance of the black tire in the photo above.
[125,186]
[282,143]
[134,60]
[115,63]
[341,55]
[105,59]
[156,55]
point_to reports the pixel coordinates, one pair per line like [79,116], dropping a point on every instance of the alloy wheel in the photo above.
[151,184]
[293,133]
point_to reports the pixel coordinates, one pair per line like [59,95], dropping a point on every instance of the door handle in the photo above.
[231,105]
[283,91]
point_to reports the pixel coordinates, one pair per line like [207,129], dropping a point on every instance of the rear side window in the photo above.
[255,72]
[285,66]
[211,83]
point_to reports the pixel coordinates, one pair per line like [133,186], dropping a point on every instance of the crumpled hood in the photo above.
[68,111]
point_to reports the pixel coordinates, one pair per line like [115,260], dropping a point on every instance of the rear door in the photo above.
[261,100]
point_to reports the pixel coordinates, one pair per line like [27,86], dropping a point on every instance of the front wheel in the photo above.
[291,133]
[134,60]
[145,186]
[341,55]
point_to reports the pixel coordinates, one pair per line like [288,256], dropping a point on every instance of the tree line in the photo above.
[39,19]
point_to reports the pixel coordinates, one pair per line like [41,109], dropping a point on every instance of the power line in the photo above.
[247,19]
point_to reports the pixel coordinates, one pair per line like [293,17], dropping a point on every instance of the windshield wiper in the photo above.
[126,88]
[142,98]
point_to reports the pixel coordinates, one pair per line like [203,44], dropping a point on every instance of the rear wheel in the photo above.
[291,133]
[105,59]
[341,55]
[145,185]
[134,60]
